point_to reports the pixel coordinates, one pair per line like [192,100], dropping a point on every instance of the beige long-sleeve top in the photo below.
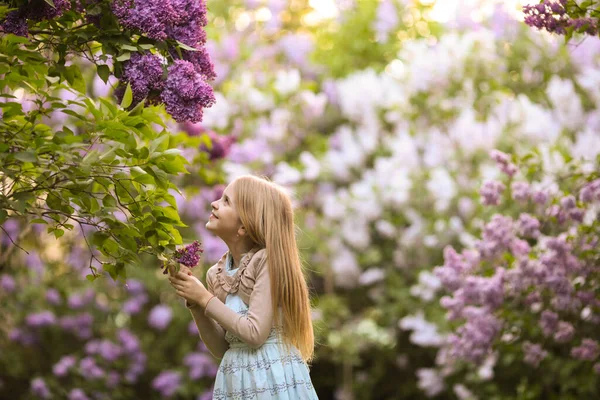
[252,283]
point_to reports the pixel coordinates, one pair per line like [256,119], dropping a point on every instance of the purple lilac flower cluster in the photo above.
[546,273]
[144,72]
[35,10]
[553,16]
[189,255]
[186,93]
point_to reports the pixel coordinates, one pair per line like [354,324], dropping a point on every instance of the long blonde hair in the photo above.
[266,211]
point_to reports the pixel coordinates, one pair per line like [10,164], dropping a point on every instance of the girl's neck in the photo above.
[237,251]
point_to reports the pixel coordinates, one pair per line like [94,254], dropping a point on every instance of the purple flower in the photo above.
[43,318]
[53,297]
[490,193]
[540,197]
[135,304]
[15,23]
[39,388]
[520,191]
[186,93]
[82,299]
[387,18]
[220,146]
[7,283]
[160,317]
[564,333]
[78,394]
[549,15]
[548,322]
[474,339]
[144,72]
[167,383]
[135,287]
[129,341]
[89,369]
[454,268]
[39,10]
[63,365]
[503,161]
[497,236]
[202,62]
[528,225]
[109,350]
[80,324]
[590,192]
[151,17]
[589,350]
[568,202]
[200,365]
[534,354]
[189,255]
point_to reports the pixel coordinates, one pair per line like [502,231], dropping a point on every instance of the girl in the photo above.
[254,312]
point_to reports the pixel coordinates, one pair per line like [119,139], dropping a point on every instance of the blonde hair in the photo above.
[266,212]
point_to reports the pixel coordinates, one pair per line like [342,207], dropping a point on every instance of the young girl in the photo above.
[254,312]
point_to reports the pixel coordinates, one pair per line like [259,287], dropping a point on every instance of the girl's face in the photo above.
[224,221]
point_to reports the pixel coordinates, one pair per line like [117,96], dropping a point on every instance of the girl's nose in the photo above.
[214,204]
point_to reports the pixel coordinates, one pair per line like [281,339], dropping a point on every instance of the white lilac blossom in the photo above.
[424,332]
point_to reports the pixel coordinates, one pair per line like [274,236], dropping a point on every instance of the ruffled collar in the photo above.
[231,283]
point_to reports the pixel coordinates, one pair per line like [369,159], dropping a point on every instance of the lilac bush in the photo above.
[530,280]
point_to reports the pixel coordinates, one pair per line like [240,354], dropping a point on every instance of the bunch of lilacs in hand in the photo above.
[541,266]
[188,256]
[562,17]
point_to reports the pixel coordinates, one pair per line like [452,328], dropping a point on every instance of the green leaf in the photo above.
[38,221]
[104,72]
[91,277]
[144,179]
[124,57]
[127,97]
[186,47]
[58,233]
[51,3]
[25,156]
[3,215]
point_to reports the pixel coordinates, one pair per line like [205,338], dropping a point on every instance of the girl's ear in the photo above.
[241,231]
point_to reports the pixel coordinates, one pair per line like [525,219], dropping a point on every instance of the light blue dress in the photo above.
[268,372]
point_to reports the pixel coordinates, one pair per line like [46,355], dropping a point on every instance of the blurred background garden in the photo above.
[442,156]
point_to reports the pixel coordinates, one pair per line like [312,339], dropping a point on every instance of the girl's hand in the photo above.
[190,288]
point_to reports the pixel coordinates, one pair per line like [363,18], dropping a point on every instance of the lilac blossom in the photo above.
[534,353]
[144,72]
[540,197]
[564,332]
[503,161]
[220,146]
[167,383]
[548,322]
[128,341]
[53,297]
[89,369]
[186,93]
[528,225]
[497,236]
[151,17]
[590,192]
[15,23]
[38,320]
[200,365]
[62,367]
[39,10]
[189,255]
[78,394]
[192,328]
[7,283]
[160,317]
[80,325]
[474,339]
[520,191]
[589,350]
[40,389]
[135,304]
[490,193]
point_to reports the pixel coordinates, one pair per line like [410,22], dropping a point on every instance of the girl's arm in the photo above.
[255,327]
[211,333]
